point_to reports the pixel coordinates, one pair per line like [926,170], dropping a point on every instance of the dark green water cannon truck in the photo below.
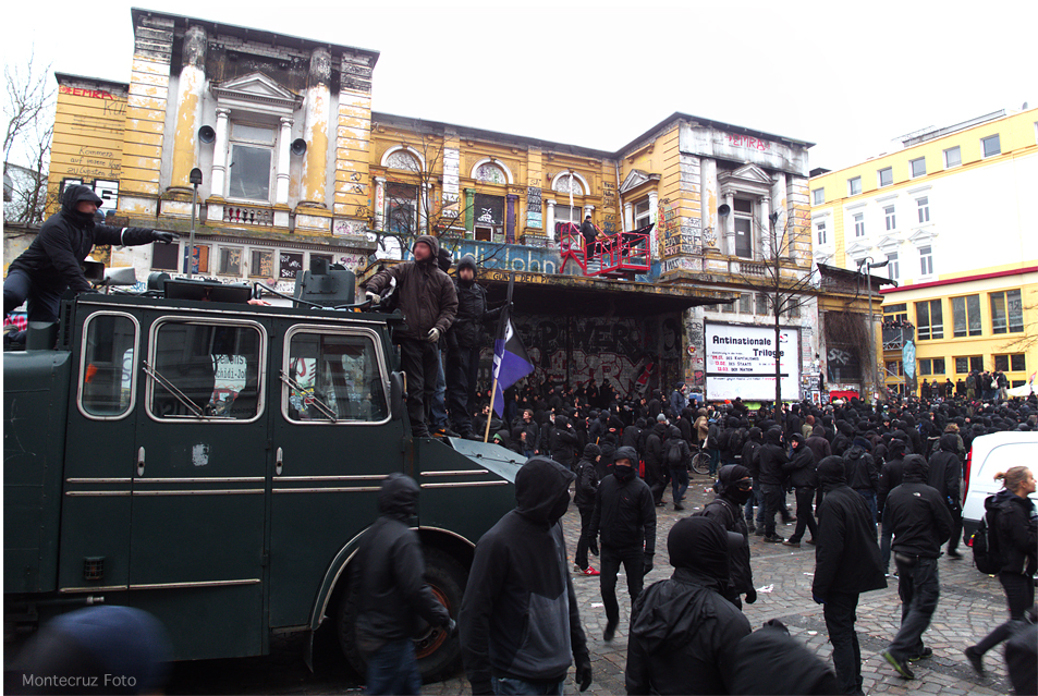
[214,462]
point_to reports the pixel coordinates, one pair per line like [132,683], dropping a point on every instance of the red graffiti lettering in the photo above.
[80,92]
[747,141]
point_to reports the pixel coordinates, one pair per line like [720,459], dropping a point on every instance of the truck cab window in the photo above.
[333,377]
[206,371]
[107,370]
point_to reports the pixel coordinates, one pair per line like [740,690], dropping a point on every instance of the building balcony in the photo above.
[895,338]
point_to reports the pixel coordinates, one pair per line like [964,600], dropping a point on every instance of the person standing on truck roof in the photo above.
[391,592]
[1015,525]
[520,625]
[429,303]
[51,264]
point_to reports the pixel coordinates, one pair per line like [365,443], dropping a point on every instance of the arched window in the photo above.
[570,182]
[404,158]
[491,171]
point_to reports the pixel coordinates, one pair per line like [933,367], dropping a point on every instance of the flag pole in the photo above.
[490,415]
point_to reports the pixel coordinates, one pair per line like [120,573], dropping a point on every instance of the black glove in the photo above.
[592,547]
[164,237]
[583,675]
[451,628]
[751,596]
[647,568]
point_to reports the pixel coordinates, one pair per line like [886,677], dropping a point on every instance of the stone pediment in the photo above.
[748,178]
[857,250]
[635,179]
[258,93]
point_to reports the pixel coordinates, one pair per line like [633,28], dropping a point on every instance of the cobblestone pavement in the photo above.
[971,604]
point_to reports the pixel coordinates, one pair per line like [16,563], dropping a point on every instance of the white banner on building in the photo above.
[740,361]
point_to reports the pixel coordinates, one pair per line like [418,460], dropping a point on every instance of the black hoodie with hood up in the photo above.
[389,571]
[468,328]
[916,513]
[66,238]
[683,630]
[519,616]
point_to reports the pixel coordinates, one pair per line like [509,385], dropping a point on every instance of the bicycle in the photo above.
[701,462]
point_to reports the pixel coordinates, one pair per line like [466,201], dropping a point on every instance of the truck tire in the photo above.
[438,654]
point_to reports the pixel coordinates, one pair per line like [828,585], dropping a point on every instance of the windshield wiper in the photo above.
[172,389]
[321,406]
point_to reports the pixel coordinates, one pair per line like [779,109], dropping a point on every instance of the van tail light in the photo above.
[966,476]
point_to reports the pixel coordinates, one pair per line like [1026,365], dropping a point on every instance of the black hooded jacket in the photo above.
[916,513]
[892,472]
[426,294]
[862,472]
[847,557]
[467,331]
[946,469]
[770,661]
[726,510]
[800,469]
[389,570]
[683,630]
[625,513]
[772,457]
[66,238]
[519,615]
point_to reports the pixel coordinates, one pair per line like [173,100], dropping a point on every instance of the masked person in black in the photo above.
[946,476]
[51,264]
[920,522]
[520,626]
[586,489]
[734,488]
[846,564]
[389,573]
[683,630]
[626,517]
[464,339]
[802,477]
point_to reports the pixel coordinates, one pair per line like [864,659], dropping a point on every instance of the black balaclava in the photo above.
[624,473]
[728,483]
[542,490]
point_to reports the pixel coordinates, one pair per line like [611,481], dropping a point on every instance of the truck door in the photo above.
[99,456]
[199,487]
[333,443]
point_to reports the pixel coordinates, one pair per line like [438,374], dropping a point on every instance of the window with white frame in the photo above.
[926,260]
[991,146]
[642,213]
[822,238]
[251,162]
[261,263]
[859,224]
[889,218]
[567,183]
[1007,312]
[918,167]
[818,196]
[885,176]
[952,157]
[893,266]
[929,320]
[854,186]
[923,208]
[401,208]
[745,303]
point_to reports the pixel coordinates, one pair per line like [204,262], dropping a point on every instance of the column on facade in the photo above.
[769,237]
[190,91]
[729,224]
[315,128]
[284,161]
[549,218]
[713,238]
[218,175]
[470,211]
[380,202]
[654,237]
[510,211]
[588,210]
[778,198]
[423,207]
[628,216]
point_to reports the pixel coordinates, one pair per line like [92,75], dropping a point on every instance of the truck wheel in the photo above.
[438,653]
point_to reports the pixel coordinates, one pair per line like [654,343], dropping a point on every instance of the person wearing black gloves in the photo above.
[920,522]
[391,592]
[846,564]
[734,488]
[683,630]
[51,264]
[802,477]
[520,626]
[626,517]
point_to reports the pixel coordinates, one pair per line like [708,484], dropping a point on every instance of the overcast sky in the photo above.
[598,74]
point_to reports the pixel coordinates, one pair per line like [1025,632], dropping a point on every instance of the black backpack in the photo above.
[986,553]
[736,442]
[672,454]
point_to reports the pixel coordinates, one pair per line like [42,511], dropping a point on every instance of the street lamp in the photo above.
[868,265]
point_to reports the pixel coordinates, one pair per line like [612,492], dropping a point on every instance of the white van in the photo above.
[989,455]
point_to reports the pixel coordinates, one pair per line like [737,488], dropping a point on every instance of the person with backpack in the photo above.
[946,476]
[734,487]
[584,498]
[676,457]
[1012,523]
